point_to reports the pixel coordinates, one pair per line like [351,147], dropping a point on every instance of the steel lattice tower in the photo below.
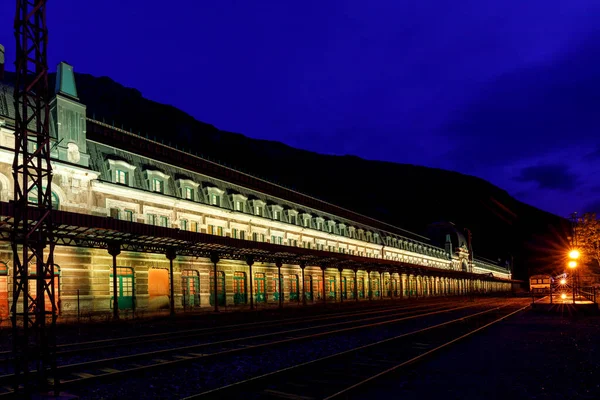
[33,310]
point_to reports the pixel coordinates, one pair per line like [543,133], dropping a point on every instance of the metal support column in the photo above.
[401,286]
[370,285]
[214,258]
[250,262]
[114,249]
[341,286]
[278,263]
[324,293]
[302,266]
[32,236]
[355,284]
[171,254]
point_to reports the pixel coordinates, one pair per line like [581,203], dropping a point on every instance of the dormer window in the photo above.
[258,208]
[331,226]
[187,189]
[158,185]
[121,172]
[342,229]
[276,212]
[319,223]
[157,181]
[292,216]
[352,232]
[122,177]
[306,220]
[214,195]
[238,202]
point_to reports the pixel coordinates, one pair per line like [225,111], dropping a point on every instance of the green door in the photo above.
[190,282]
[276,290]
[260,288]
[361,288]
[220,288]
[308,288]
[331,288]
[351,289]
[344,287]
[125,283]
[239,288]
[294,289]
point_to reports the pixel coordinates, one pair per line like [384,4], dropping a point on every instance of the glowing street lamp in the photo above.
[574,254]
[563,281]
[572,264]
[563,296]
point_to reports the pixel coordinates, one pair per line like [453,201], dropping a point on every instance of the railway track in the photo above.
[85,373]
[81,348]
[345,373]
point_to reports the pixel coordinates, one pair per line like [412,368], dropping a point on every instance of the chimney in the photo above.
[1,62]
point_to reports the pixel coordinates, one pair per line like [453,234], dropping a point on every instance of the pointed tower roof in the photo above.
[65,80]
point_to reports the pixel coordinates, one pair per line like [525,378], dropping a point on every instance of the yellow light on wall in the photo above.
[572,264]
[574,254]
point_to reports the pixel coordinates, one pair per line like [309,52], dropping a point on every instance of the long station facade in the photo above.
[176,231]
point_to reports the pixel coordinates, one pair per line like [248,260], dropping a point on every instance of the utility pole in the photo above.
[33,309]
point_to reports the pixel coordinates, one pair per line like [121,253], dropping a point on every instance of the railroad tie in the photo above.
[83,375]
[109,370]
[183,357]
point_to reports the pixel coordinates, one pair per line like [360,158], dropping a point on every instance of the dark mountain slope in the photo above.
[408,196]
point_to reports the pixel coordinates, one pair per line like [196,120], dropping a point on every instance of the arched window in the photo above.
[33,198]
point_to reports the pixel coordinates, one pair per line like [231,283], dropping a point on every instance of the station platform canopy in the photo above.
[90,231]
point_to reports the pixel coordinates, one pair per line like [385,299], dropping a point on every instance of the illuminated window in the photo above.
[194,226]
[258,210]
[157,186]
[122,177]
[220,231]
[211,229]
[276,239]
[238,206]
[276,215]
[215,200]
[128,215]
[189,193]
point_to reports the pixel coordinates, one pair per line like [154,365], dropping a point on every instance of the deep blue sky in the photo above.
[505,90]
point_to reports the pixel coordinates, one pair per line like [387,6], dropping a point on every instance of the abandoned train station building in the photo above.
[182,232]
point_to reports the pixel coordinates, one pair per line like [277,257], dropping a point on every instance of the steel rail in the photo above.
[89,346]
[250,381]
[191,356]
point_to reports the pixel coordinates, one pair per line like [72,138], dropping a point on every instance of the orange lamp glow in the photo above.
[574,254]
[563,296]
[572,264]
[563,281]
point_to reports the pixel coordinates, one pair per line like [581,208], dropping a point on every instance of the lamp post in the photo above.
[573,255]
